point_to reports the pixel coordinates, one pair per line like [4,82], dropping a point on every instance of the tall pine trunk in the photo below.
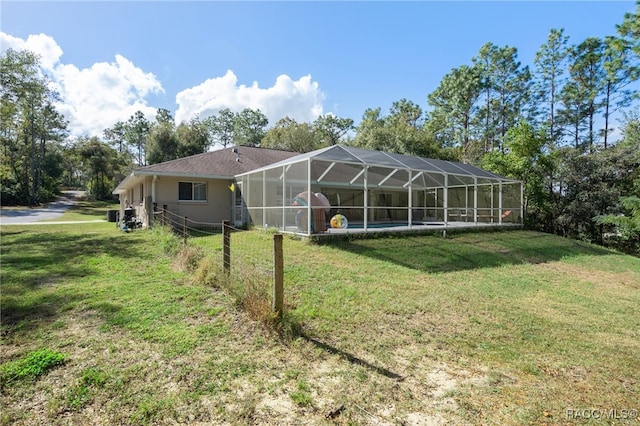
[606,114]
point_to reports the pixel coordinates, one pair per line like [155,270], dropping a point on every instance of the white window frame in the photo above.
[193,191]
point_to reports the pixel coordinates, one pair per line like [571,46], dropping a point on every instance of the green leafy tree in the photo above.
[52,169]
[524,159]
[402,131]
[507,90]
[369,131]
[483,65]
[330,129]
[587,82]
[629,31]
[163,116]
[249,127]
[289,135]
[221,128]
[454,107]
[137,130]
[162,143]
[405,126]
[405,113]
[193,138]
[593,184]
[620,70]
[550,62]
[116,136]
[52,130]
[29,127]
[100,161]
[626,221]
[627,225]
[573,111]
[72,166]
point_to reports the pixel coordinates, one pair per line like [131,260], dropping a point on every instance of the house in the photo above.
[331,190]
[201,187]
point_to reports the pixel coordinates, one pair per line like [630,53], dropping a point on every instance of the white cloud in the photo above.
[94,98]
[301,99]
[41,44]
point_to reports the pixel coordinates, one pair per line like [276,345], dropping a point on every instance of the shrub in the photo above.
[252,296]
[209,272]
[188,258]
[169,241]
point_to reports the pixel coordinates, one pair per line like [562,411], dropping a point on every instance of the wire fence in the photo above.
[182,225]
[252,261]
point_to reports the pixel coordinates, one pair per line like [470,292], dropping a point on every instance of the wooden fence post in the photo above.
[149,209]
[226,247]
[278,274]
[164,214]
[184,230]
[155,210]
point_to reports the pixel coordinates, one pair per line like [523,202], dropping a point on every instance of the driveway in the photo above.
[49,212]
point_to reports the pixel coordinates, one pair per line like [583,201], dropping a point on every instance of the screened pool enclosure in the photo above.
[344,189]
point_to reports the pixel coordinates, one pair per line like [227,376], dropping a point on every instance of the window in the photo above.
[192,191]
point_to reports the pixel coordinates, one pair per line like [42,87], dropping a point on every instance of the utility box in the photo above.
[112,215]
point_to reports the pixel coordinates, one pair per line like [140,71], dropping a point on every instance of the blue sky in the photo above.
[109,59]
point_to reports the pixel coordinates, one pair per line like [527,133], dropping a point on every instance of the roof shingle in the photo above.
[221,163]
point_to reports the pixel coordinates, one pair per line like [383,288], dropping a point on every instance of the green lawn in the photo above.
[85,210]
[479,328]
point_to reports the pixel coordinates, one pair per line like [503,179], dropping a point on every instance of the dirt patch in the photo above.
[613,280]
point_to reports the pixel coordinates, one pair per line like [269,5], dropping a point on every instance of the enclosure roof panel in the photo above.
[348,154]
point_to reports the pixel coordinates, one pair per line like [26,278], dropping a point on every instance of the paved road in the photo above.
[48,212]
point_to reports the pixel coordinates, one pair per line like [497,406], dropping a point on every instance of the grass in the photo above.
[34,365]
[85,210]
[492,328]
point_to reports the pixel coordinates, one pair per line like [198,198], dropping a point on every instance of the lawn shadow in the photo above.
[351,358]
[32,314]
[467,251]
[35,262]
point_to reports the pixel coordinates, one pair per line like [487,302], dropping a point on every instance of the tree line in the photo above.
[549,125]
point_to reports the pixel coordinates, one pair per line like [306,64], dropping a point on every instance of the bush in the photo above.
[170,242]
[209,272]
[188,258]
[253,297]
